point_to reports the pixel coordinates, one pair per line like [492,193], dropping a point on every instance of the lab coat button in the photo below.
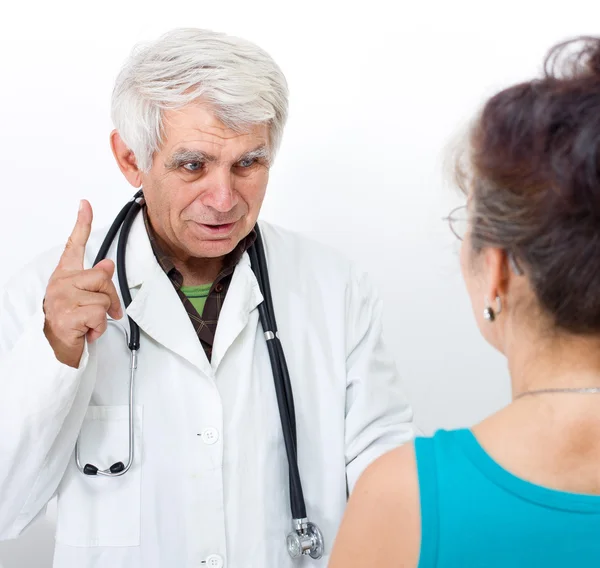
[214,561]
[210,436]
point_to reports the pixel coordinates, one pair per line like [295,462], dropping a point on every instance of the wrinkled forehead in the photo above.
[197,127]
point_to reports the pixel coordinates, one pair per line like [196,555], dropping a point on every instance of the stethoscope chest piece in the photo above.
[305,539]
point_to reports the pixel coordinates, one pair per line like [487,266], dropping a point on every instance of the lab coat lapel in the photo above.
[156,307]
[242,297]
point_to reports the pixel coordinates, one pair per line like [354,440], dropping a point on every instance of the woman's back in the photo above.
[530,259]
[476,513]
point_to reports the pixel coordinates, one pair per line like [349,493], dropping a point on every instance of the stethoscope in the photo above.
[306,537]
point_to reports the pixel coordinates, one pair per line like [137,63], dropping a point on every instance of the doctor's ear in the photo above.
[125,159]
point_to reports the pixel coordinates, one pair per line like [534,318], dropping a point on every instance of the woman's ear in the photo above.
[125,160]
[496,273]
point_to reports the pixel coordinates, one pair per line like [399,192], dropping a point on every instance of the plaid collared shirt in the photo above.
[205,324]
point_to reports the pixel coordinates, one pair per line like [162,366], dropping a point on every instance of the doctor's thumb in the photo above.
[107,266]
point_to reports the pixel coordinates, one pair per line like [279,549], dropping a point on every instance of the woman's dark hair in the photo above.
[534,161]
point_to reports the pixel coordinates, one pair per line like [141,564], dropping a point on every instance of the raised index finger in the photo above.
[72,257]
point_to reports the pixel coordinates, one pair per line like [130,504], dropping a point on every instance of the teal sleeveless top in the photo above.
[476,513]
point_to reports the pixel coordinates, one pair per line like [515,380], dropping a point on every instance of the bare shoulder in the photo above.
[391,478]
[382,524]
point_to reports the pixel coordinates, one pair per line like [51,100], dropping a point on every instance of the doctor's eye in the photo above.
[246,162]
[192,166]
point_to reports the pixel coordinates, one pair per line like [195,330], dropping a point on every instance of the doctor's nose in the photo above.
[220,194]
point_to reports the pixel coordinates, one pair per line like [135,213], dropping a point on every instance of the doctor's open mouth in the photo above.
[216,230]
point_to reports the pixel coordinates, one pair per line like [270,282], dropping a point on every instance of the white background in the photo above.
[378,91]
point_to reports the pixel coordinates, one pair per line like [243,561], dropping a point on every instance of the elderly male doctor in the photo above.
[198,117]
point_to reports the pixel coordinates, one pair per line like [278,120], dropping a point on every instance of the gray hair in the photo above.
[240,81]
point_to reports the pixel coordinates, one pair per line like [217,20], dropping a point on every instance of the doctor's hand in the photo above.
[77,301]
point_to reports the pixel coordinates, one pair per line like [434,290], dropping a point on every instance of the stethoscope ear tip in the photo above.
[117,467]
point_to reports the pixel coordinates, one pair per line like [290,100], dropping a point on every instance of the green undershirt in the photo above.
[197,295]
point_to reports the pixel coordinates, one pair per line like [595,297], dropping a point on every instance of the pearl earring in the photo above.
[488,312]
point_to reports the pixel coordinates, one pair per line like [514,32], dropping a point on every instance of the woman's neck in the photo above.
[555,362]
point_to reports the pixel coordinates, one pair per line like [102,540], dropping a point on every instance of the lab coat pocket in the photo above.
[99,510]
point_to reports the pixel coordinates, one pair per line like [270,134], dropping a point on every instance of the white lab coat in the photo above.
[209,483]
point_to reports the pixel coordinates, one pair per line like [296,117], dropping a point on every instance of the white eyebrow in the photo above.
[183,156]
[261,152]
